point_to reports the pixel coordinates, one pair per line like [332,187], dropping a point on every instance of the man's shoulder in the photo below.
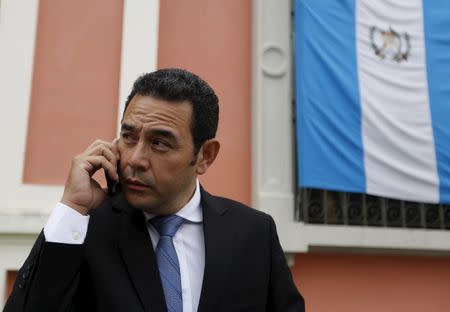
[235,208]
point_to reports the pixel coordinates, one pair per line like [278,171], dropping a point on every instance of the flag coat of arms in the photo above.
[373,97]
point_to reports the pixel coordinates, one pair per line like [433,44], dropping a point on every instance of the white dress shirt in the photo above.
[65,225]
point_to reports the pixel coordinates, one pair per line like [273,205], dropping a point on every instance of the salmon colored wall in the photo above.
[373,283]
[75,86]
[213,39]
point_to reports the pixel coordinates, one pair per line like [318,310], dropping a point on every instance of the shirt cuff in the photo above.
[66,225]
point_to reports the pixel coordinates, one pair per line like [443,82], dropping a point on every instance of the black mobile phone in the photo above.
[113,186]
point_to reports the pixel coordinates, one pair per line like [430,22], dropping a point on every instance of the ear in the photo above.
[206,156]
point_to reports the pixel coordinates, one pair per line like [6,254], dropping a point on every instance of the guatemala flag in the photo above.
[373,99]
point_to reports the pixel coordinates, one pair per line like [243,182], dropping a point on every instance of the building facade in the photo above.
[65,70]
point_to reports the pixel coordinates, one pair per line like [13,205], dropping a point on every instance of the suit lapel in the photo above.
[137,253]
[218,255]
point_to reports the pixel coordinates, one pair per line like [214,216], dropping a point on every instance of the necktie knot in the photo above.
[167,225]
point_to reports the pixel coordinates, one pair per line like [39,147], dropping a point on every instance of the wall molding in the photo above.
[140,20]
[18,26]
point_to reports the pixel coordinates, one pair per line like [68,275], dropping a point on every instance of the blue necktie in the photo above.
[166,257]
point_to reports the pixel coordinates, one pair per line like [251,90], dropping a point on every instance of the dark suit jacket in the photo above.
[115,269]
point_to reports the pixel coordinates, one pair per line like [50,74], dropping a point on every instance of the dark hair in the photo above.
[177,85]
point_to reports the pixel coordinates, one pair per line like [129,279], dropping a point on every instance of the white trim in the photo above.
[360,237]
[18,24]
[139,45]
[273,187]
[25,224]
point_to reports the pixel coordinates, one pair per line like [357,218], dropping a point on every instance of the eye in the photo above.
[160,145]
[126,137]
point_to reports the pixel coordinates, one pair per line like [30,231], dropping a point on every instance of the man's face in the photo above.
[157,165]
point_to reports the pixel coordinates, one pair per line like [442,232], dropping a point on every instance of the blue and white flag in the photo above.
[373,97]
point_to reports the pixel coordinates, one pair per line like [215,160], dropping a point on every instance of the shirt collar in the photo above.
[191,211]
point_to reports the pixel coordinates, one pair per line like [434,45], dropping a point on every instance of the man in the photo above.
[161,242]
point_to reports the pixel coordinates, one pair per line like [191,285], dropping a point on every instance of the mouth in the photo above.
[136,185]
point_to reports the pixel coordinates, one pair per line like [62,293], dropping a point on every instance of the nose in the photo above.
[139,159]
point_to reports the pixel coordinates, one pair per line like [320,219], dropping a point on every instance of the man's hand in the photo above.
[81,191]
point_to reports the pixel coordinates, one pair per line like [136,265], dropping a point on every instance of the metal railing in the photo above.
[330,207]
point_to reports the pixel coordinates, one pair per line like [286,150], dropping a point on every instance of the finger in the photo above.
[108,153]
[115,148]
[102,150]
[98,142]
[93,163]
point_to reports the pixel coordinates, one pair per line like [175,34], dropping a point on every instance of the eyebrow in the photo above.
[162,133]
[129,127]
[152,132]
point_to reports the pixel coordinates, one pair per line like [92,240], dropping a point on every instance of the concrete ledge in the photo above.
[22,224]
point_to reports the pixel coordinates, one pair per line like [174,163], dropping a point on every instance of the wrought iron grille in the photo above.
[330,207]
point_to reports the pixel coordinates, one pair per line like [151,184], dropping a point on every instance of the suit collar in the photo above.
[218,252]
[212,202]
[137,253]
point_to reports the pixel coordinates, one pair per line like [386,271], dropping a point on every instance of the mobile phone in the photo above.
[113,186]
